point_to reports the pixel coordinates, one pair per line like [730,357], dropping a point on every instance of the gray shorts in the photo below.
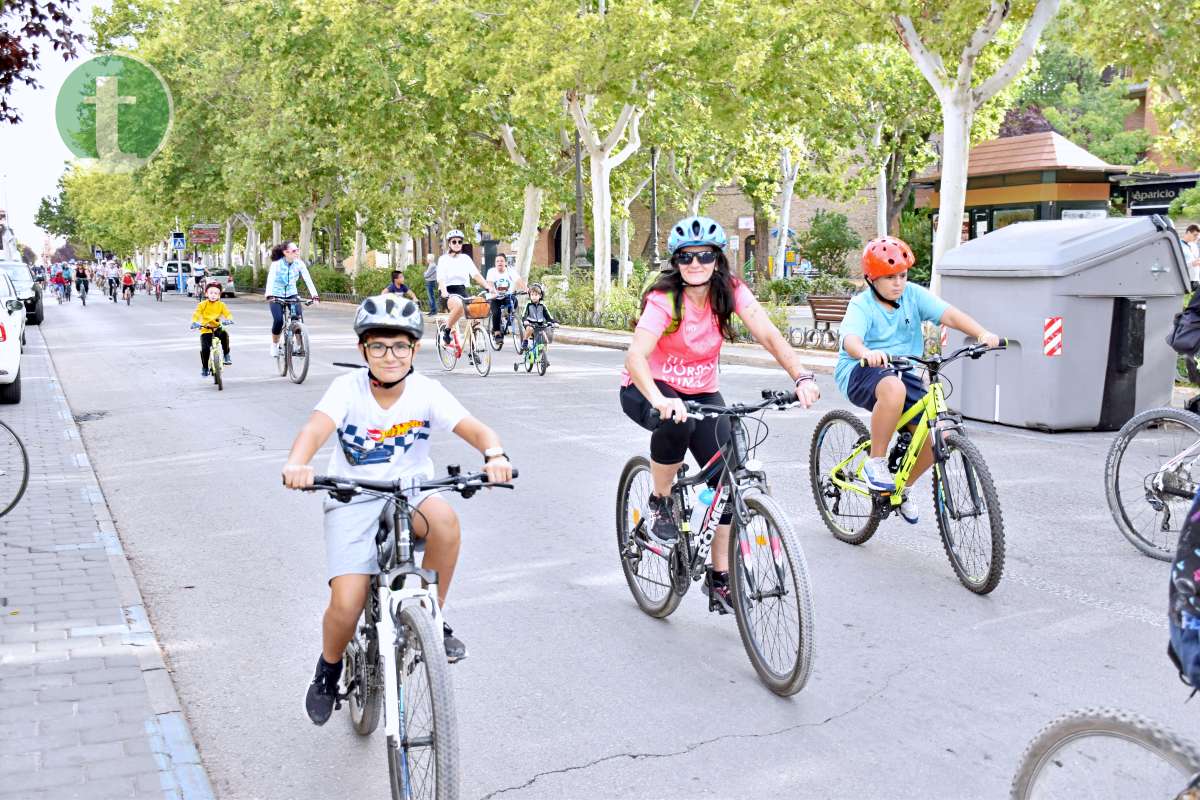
[350,530]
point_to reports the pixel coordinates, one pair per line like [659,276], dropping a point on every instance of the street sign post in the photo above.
[205,233]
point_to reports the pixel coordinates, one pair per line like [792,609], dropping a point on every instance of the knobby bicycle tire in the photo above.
[361,663]
[14,468]
[423,656]
[1039,758]
[298,372]
[628,514]
[984,488]
[855,528]
[1164,551]
[795,668]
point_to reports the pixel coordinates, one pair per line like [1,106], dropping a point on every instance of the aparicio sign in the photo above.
[1160,195]
[205,233]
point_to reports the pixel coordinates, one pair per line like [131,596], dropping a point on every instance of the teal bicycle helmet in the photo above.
[695,231]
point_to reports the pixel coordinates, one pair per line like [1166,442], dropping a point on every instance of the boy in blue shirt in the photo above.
[882,321]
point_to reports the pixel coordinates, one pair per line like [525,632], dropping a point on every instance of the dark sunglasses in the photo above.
[379,349]
[456,241]
[685,258]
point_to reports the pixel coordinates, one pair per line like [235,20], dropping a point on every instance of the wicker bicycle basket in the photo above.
[477,308]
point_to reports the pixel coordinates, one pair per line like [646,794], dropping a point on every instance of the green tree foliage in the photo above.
[1186,205]
[917,231]
[828,241]
[1095,120]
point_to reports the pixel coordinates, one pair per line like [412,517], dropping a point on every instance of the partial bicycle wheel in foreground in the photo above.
[14,469]
[1106,754]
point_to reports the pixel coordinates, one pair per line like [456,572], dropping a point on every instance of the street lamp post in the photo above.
[581,259]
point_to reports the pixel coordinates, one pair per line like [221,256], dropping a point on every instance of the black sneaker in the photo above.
[662,527]
[446,335]
[716,586]
[204,372]
[455,649]
[322,692]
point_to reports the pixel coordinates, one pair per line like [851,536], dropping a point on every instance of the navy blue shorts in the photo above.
[863,380]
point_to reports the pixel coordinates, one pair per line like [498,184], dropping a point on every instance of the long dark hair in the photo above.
[721,288]
[276,252]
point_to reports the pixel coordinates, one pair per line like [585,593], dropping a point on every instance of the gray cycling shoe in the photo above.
[661,525]
[455,649]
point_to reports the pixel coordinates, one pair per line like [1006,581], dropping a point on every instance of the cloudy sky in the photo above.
[32,155]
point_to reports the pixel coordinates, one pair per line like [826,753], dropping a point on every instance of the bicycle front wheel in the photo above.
[1105,754]
[647,572]
[482,351]
[1150,478]
[850,512]
[423,761]
[968,515]
[298,354]
[14,469]
[772,597]
[282,355]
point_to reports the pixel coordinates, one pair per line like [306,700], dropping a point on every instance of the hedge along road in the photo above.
[919,688]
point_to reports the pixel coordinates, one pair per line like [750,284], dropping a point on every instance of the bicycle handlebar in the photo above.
[463,484]
[771,398]
[974,351]
[293,299]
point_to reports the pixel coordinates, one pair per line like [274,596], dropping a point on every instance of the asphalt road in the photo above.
[919,688]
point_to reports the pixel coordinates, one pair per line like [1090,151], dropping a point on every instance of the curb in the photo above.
[180,771]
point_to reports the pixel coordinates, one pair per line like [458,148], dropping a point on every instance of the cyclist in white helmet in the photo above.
[455,271]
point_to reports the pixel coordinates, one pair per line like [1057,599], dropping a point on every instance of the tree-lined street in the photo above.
[919,688]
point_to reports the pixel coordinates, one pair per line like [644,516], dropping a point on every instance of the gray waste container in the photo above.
[1086,305]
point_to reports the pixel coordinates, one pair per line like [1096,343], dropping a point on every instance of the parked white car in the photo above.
[222,276]
[171,270]
[12,340]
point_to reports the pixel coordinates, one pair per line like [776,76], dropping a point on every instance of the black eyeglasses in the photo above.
[379,349]
[685,258]
[456,241]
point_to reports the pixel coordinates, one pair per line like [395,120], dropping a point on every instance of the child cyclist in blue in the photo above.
[885,320]
[384,417]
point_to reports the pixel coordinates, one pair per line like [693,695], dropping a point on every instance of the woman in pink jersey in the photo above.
[686,315]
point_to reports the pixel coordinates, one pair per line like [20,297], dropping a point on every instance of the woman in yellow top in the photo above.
[209,316]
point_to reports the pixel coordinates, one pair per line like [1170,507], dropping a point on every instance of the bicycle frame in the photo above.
[925,414]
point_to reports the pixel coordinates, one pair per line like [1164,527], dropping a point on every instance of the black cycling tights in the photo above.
[671,441]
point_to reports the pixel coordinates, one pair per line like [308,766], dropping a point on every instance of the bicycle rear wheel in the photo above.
[648,573]
[482,351]
[968,515]
[361,676]
[445,351]
[515,326]
[423,762]
[772,597]
[14,469]
[1149,501]
[851,516]
[1103,754]
[298,354]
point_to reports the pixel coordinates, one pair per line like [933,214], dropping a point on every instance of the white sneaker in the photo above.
[909,510]
[878,476]
[274,350]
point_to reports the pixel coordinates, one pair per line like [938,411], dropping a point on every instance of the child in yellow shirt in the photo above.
[210,315]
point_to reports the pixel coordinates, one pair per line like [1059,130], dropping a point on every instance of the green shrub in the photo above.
[832,285]
[828,241]
[329,281]
[243,277]
[787,291]
[916,230]
[371,281]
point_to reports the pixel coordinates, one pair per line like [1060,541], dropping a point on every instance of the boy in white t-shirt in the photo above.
[383,416]
[506,282]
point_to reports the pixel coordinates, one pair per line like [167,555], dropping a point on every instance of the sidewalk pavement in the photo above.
[87,707]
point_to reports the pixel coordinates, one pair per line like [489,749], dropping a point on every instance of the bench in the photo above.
[827,311]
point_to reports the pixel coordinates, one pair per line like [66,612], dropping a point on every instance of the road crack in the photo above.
[697,745]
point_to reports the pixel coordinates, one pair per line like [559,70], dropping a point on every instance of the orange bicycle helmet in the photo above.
[886,255]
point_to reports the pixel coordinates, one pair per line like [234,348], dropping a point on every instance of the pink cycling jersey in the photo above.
[687,359]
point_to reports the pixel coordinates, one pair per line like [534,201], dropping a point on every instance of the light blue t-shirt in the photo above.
[894,331]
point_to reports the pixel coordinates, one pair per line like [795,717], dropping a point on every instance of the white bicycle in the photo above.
[399,647]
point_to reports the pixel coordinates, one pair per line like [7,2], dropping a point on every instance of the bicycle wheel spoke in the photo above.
[774,617]
[1153,486]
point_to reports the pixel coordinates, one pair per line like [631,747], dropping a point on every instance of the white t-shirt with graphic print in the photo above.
[503,281]
[380,444]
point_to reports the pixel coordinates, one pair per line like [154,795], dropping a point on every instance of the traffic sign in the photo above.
[97,253]
[205,233]
[178,241]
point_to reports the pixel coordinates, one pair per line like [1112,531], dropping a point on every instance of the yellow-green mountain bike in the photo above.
[964,495]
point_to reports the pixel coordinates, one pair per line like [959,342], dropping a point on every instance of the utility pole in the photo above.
[581,259]
[654,204]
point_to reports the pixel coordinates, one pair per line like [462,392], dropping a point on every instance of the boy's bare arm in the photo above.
[483,438]
[297,473]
